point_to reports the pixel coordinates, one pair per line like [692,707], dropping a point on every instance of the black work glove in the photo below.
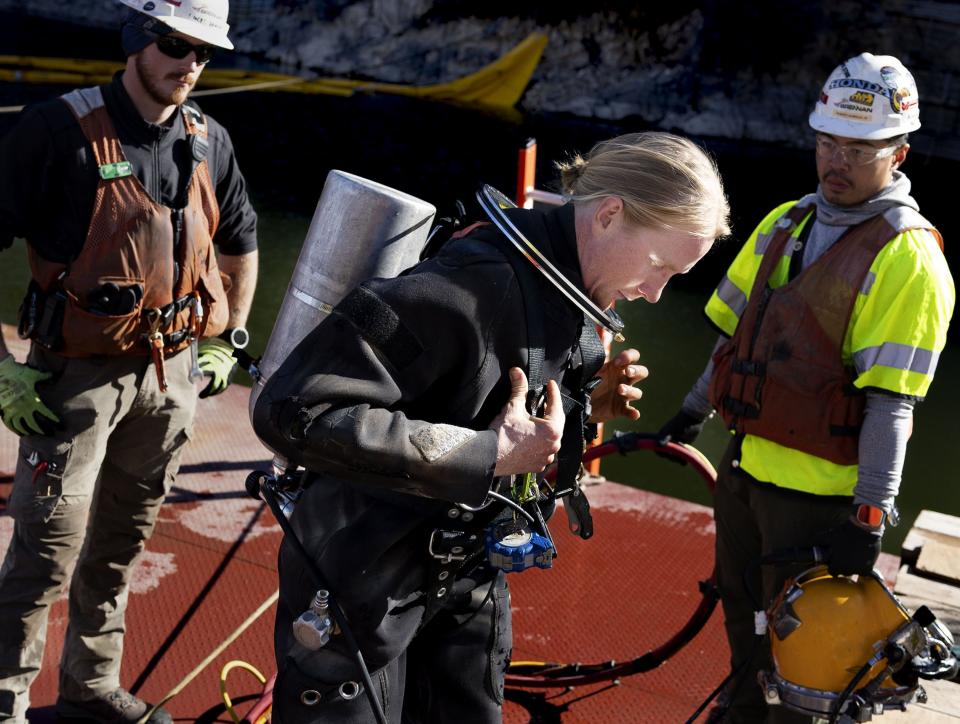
[682,427]
[852,549]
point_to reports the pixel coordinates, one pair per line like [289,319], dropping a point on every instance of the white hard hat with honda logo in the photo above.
[204,20]
[870,97]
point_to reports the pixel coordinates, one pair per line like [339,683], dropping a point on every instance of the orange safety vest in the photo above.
[781,376]
[131,240]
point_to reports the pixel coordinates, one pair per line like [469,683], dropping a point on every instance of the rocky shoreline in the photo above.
[714,68]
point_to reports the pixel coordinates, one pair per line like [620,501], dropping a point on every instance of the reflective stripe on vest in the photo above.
[781,376]
[729,299]
[131,241]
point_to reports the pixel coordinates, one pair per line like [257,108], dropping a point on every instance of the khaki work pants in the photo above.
[754,519]
[94,504]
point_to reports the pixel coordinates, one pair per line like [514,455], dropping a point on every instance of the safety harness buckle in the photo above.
[450,545]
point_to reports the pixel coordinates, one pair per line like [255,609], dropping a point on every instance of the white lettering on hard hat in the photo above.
[860,84]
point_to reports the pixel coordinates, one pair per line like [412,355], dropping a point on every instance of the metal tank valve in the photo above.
[313,627]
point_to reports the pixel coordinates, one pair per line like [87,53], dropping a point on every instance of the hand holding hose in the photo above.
[683,427]
[21,408]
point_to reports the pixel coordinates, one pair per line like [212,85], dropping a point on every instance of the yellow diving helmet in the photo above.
[847,647]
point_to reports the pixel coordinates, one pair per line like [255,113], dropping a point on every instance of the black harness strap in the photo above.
[578,380]
[536,338]
[581,381]
[455,546]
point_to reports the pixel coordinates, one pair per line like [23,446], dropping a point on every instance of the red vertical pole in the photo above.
[526,173]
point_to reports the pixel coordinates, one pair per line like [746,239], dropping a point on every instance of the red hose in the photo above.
[564,675]
[263,703]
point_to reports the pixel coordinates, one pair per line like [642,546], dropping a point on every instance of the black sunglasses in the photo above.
[178,48]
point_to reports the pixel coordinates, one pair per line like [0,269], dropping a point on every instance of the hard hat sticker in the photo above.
[890,76]
[902,100]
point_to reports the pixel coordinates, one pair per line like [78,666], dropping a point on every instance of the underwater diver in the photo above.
[122,192]
[421,402]
[832,319]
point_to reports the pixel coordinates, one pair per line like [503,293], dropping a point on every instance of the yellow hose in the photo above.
[228,667]
[213,654]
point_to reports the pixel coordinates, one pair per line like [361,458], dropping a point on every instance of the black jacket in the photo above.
[431,347]
[48,176]
[359,403]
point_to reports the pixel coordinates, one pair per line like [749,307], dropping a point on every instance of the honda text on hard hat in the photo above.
[870,97]
[204,20]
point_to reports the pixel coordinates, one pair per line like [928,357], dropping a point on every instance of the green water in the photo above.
[674,342]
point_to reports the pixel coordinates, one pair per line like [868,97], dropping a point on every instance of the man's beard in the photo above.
[151,83]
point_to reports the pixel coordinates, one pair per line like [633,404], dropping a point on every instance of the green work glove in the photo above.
[217,362]
[21,408]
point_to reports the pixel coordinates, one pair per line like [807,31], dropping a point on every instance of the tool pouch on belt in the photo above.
[41,317]
[31,311]
[88,332]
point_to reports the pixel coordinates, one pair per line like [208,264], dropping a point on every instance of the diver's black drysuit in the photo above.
[387,404]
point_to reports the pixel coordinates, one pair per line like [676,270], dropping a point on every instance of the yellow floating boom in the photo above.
[498,85]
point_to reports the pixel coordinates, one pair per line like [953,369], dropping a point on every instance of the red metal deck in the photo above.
[211,563]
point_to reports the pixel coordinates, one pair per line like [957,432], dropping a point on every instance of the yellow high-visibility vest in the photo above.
[896,333]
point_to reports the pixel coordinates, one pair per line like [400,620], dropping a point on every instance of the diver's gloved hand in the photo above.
[853,548]
[216,360]
[21,408]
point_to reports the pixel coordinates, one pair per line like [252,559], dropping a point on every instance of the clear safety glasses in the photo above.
[862,155]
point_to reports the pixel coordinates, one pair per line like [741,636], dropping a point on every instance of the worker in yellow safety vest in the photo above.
[832,318]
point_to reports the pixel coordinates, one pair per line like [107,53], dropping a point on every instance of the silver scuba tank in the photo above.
[360,230]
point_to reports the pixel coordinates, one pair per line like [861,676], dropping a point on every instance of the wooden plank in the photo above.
[941,560]
[929,526]
[939,593]
[941,598]
[930,521]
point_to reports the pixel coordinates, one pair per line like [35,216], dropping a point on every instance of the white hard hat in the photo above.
[204,20]
[870,97]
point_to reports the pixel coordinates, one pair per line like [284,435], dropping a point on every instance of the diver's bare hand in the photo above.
[615,393]
[526,443]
